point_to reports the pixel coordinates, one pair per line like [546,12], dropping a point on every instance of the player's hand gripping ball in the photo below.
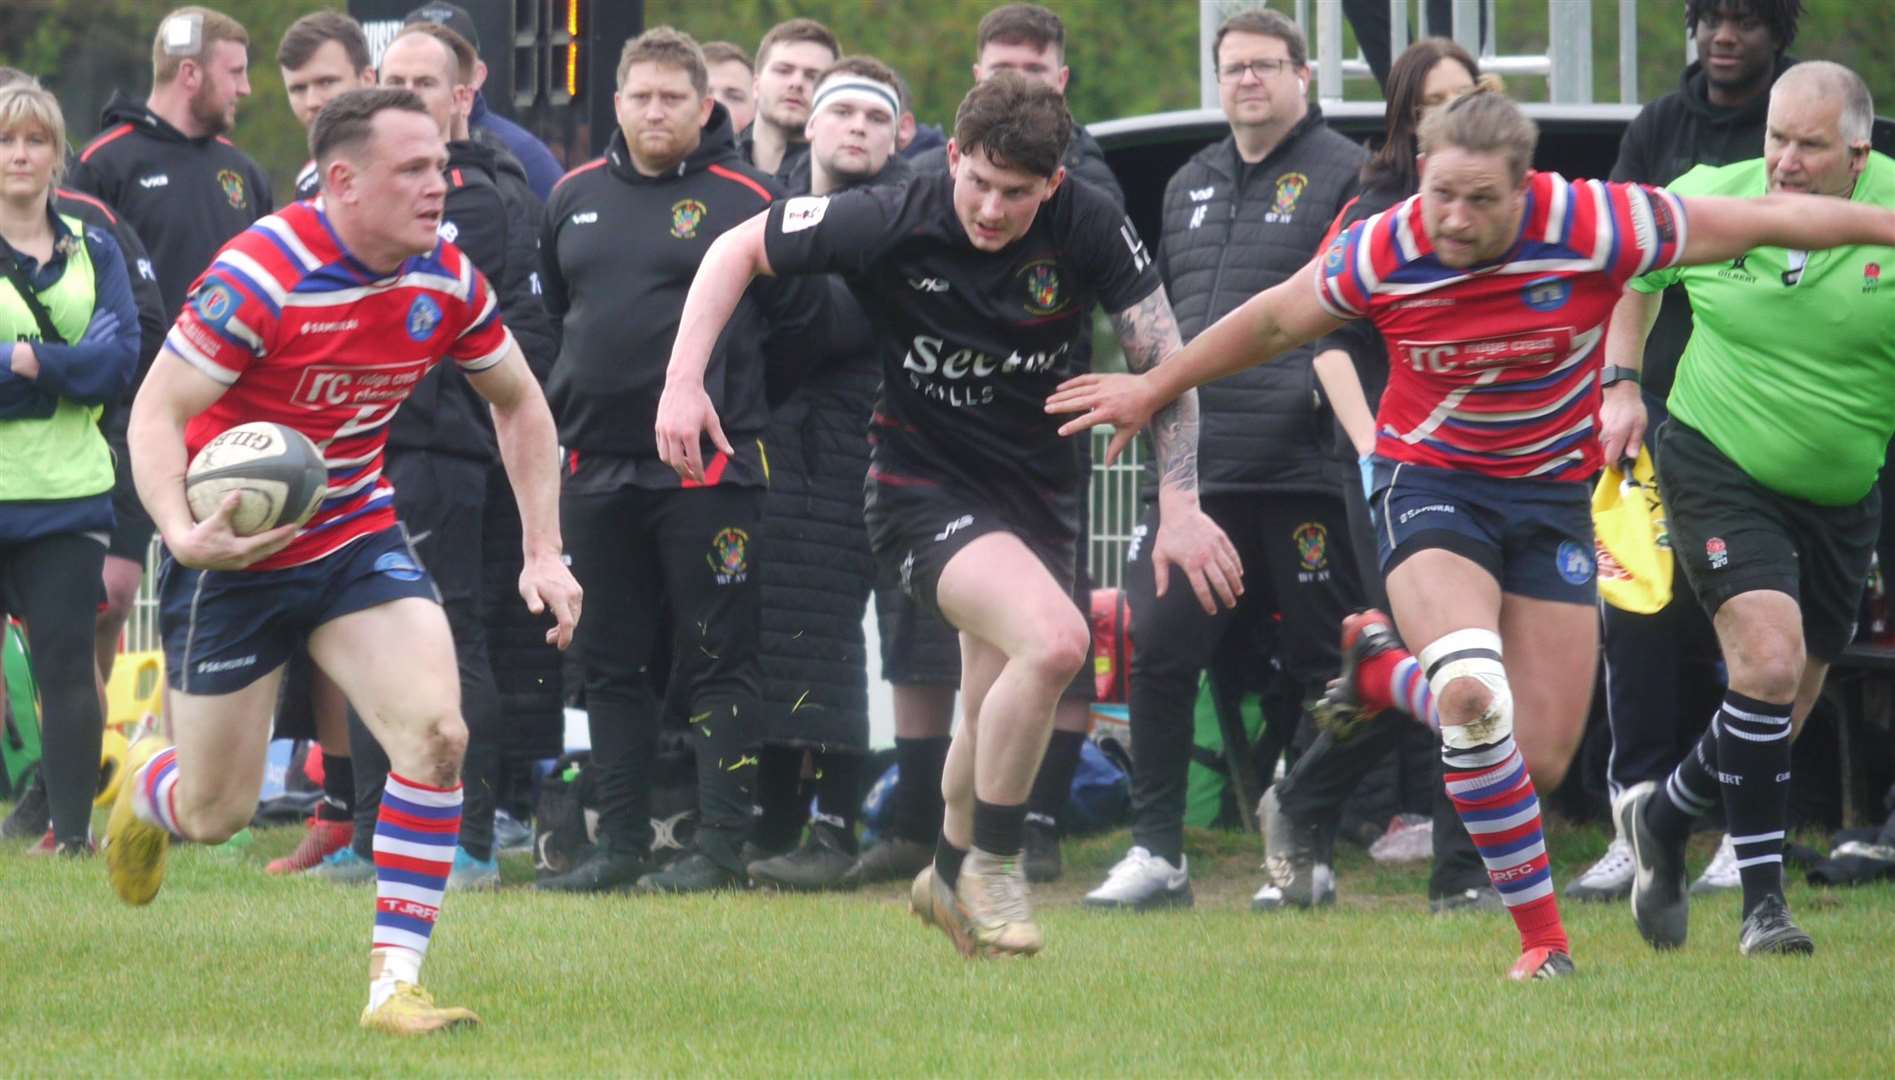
[276,471]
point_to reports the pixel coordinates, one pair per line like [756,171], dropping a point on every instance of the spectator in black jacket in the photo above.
[322,54]
[542,168]
[790,58]
[169,170]
[1029,41]
[1302,812]
[1664,672]
[1241,216]
[622,241]
[817,579]
[733,82]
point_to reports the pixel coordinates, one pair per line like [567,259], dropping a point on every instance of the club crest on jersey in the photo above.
[233,187]
[730,556]
[1312,545]
[215,303]
[1871,277]
[1289,188]
[1547,293]
[686,216]
[1573,562]
[423,316]
[1044,295]
[1332,262]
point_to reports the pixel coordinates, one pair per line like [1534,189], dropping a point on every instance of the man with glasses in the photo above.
[1241,216]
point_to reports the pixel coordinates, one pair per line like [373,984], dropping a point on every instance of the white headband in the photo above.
[847,87]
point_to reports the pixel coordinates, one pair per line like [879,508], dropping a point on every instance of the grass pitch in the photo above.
[233,973]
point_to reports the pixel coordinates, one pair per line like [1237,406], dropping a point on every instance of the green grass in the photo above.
[232,973]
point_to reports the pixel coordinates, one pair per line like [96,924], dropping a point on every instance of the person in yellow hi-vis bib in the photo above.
[1781,413]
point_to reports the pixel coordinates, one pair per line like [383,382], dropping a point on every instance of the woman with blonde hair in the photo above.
[70,333]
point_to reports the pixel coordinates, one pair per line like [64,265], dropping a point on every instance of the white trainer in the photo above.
[1609,879]
[1721,875]
[1142,881]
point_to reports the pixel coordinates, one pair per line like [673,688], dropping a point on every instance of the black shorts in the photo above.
[1533,536]
[132,532]
[915,528]
[224,630]
[919,648]
[1733,535]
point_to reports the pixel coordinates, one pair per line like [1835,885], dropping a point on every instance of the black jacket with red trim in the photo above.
[618,253]
[184,197]
[152,323]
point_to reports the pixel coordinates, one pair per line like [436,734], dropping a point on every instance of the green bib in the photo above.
[68,454]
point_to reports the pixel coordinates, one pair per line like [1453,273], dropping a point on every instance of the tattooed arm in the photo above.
[1148,332]
[1187,537]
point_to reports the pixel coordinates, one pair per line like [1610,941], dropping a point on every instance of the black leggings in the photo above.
[53,585]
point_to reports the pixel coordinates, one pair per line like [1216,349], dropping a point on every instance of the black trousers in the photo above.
[1297,565]
[1664,680]
[440,499]
[632,550]
[52,584]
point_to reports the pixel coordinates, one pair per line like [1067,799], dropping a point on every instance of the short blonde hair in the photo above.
[176,42]
[1482,122]
[25,104]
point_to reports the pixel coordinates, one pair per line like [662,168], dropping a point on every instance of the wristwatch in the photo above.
[1613,373]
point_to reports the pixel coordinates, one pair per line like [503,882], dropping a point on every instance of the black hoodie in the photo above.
[184,197]
[617,254]
[1665,140]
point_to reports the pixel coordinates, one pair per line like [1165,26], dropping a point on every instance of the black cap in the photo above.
[452,16]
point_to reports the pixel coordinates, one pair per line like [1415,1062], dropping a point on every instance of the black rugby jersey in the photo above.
[971,343]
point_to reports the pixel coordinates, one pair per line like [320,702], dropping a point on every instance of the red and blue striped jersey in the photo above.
[1493,369]
[305,335]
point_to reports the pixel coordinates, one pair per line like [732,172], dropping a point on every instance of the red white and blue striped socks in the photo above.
[155,787]
[1395,680]
[415,833]
[1493,793]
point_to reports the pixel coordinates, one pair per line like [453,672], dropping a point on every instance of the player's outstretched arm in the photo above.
[1719,229]
[685,412]
[1622,412]
[1187,537]
[1267,325]
[172,393]
[529,449]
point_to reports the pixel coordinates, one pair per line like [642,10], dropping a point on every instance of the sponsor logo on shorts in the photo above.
[1572,562]
[1138,542]
[1407,516]
[1871,277]
[686,216]
[729,556]
[1312,548]
[398,565]
[423,316]
[1717,552]
[212,667]
[1547,293]
[908,573]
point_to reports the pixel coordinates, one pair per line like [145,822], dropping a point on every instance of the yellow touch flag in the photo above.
[1630,538]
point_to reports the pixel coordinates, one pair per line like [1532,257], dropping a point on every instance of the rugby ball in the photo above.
[276,471]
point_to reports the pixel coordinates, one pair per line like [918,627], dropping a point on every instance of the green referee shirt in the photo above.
[1791,375]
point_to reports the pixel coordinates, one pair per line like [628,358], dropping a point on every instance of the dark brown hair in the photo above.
[346,121]
[669,46]
[1266,23]
[792,30]
[1393,163]
[1017,124]
[1021,24]
[318,28]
